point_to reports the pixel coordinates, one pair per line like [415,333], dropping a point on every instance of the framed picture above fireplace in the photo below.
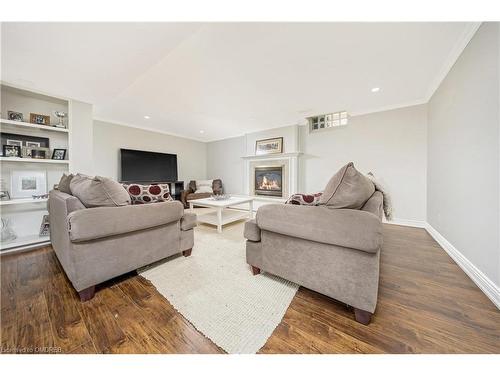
[269,146]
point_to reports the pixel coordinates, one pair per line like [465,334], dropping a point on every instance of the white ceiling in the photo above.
[227,79]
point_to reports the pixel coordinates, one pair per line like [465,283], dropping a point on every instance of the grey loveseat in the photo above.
[96,244]
[334,251]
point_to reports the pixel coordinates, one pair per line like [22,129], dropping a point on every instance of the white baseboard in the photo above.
[488,287]
[406,222]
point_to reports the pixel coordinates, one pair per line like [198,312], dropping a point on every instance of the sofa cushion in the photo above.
[64,183]
[348,188]
[140,194]
[101,222]
[354,229]
[304,199]
[98,191]
[204,186]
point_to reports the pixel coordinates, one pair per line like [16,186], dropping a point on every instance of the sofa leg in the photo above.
[362,316]
[187,253]
[87,294]
[255,270]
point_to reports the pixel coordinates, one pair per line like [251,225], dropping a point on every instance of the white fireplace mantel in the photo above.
[273,156]
[290,160]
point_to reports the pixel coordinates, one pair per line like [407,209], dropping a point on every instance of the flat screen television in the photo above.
[147,166]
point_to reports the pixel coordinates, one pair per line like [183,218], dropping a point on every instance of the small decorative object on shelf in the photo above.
[269,146]
[24,140]
[4,195]
[60,115]
[45,226]
[6,232]
[25,184]
[36,152]
[221,197]
[11,151]
[15,116]
[41,196]
[40,152]
[38,119]
[59,154]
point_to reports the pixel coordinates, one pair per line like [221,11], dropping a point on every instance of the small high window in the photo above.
[327,121]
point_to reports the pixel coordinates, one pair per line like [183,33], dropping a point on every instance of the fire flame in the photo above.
[269,184]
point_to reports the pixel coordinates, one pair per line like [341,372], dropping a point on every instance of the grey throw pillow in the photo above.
[348,188]
[99,191]
[64,183]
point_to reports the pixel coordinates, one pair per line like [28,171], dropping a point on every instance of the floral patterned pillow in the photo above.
[141,194]
[304,199]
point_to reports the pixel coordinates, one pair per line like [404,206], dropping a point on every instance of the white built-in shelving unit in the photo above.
[25,214]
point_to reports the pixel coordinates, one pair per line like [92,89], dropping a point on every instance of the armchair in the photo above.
[96,244]
[190,192]
[335,252]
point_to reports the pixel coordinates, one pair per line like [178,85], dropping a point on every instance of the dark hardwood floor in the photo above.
[426,305]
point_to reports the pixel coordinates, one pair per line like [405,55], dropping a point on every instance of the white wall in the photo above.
[391,144]
[109,138]
[463,154]
[224,161]
[81,137]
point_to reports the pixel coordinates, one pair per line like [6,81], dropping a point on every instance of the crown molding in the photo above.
[148,129]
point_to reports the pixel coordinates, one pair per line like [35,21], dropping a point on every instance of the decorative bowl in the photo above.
[221,197]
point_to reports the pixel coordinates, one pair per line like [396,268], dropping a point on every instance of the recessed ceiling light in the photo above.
[202,131]
[376,89]
[147,117]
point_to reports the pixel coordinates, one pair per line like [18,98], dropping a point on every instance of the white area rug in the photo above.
[215,290]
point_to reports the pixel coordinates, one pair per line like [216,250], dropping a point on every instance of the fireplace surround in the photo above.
[288,162]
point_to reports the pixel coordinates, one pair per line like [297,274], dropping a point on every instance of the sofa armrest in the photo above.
[355,229]
[252,231]
[188,221]
[94,223]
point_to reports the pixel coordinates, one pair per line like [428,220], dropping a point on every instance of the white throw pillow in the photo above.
[204,186]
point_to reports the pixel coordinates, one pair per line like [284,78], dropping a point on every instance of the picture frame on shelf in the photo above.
[26,140]
[15,116]
[4,195]
[25,184]
[11,151]
[35,152]
[38,119]
[15,142]
[59,154]
[269,146]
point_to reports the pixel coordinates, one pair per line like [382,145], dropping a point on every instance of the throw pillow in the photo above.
[140,194]
[204,186]
[304,199]
[387,205]
[98,191]
[348,188]
[64,183]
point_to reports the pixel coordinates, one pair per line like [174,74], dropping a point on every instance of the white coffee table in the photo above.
[221,216]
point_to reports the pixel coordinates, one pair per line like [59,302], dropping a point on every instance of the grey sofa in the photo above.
[96,244]
[335,252]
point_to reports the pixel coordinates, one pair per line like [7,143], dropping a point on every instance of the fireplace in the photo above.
[269,181]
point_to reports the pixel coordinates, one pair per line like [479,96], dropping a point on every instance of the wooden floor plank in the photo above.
[69,329]
[427,304]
